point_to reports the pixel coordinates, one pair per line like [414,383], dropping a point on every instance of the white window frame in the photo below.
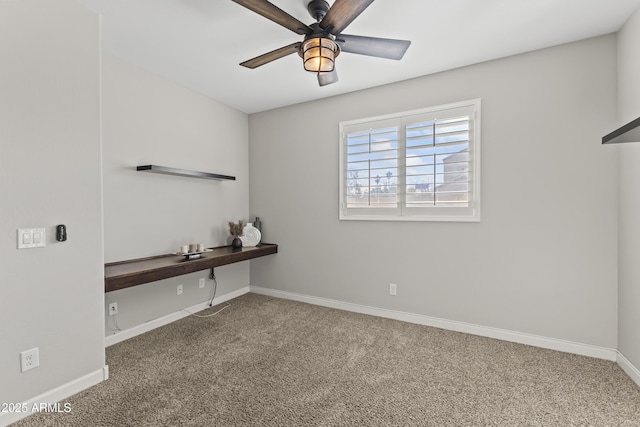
[470,213]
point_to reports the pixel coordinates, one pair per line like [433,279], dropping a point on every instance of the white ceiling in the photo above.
[199,43]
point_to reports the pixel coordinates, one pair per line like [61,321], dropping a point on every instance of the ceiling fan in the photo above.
[324,39]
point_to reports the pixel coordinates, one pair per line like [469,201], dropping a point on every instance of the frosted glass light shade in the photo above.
[319,54]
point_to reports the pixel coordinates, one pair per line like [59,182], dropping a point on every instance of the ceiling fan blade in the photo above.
[271,56]
[373,46]
[342,13]
[274,13]
[327,78]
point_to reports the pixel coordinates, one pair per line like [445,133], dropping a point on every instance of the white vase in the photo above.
[250,236]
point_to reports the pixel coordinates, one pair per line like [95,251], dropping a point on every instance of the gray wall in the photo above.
[544,258]
[629,231]
[51,297]
[150,120]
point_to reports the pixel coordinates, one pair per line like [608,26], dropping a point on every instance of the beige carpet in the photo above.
[270,362]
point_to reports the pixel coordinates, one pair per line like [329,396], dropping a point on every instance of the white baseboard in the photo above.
[164,320]
[484,331]
[628,368]
[56,395]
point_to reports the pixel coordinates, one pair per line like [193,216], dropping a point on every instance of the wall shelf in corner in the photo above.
[627,133]
[184,172]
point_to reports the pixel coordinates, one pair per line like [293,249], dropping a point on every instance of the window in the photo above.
[421,165]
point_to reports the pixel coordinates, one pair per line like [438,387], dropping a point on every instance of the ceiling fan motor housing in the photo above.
[318,9]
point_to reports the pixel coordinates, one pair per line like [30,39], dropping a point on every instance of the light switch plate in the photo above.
[31,238]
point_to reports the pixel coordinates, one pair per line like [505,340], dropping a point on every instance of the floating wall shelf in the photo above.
[184,172]
[627,133]
[125,274]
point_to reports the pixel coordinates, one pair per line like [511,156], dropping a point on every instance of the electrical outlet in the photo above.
[201,283]
[179,289]
[29,359]
[393,289]
[113,308]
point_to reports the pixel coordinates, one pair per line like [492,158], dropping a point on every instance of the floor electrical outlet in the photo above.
[393,289]
[113,308]
[179,289]
[29,359]
[201,283]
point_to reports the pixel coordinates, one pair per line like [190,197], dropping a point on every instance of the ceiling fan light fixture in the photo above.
[319,54]
[324,39]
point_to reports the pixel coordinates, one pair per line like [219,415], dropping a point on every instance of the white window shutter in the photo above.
[418,165]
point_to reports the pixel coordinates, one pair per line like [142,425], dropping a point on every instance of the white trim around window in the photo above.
[420,165]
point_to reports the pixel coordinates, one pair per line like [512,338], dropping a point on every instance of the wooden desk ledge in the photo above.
[124,274]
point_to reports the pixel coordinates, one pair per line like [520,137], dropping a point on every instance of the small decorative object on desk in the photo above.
[236,230]
[251,236]
[257,223]
[236,243]
[184,250]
